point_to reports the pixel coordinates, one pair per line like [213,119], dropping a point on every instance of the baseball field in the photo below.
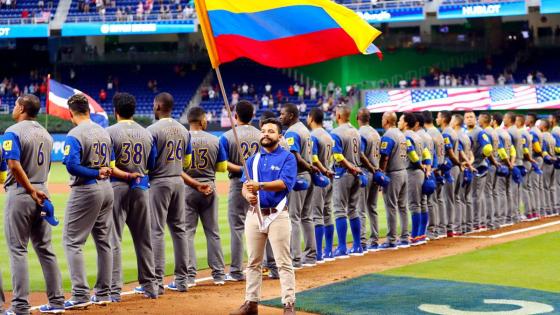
[509,271]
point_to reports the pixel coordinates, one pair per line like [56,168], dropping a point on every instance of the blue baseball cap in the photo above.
[517,175]
[448,177]
[429,186]
[47,211]
[363,179]
[502,171]
[320,180]
[536,169]
[301,184]
[381,179]
[467,176]
[141,183]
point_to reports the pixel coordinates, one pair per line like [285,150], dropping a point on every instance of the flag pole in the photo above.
[47,102]
[235,136]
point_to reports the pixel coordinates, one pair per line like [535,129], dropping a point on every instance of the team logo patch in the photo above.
[446,140]
[66,150]
[384,145]
[485,137]
[290,141]
[408,143]
[7,145]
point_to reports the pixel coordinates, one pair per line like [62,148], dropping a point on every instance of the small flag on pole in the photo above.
[57,103]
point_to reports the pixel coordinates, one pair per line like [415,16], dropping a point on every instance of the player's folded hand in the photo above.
[104,173]
[205,189]
[135,175]
[39,197]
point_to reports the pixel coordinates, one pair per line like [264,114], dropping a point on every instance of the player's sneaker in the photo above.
[328,256]
[231,278]
[273,274]
[116,299]
[356,251]
[388,246]
[414,241]
[374,247]
[173,287]
[341,253]
[320,260]
[403,244]
[97,301]
[71,304]
[308,265]
[47,308]
[219,282]
[10,312]
[139,290]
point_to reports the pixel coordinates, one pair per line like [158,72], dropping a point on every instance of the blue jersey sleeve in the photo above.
[152,157]
[188,148]
[386,146]
[363,143]
[447,141]
[222,154]
[337,144]
[483,139]
[461,146]
[534,136]
[293,141]
[11,146]
[288,173]
[72,160]
[225,144]
[315,142]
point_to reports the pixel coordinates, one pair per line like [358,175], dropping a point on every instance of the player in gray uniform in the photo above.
[249,137]
[435,202]
[88,157]
[27,151]
[298,138]
[554,121]
[368,199]
[464,219]
[209,157]
[322,196]
[393,162]
[451,166]
[517,157]
[482,150]
[415,173]
[503,186]
[549,157]
[134,156]
[2,180]
[167,192]
[430,165]
[346,185]
[536,179]
[527,189]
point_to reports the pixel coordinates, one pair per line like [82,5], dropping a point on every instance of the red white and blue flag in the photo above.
[57,103]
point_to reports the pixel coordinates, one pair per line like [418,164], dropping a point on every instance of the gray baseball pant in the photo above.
[549,189]
[301,216]
[346,195]
[368,209]
[237,212]
[395,198]
[131,207]
[204,207]
[414,189]
[537,196]
[435,203]
[502,193]
[167,204]
[22,223]
[89,211]
[514,201]
[465,216]
[479,195]
[321,205]
[491,199]
[450,193]
[527,190]
[557,195]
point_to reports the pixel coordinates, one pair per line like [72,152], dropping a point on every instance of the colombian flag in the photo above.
[282,33]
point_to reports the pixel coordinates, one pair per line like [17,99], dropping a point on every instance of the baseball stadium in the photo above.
[280,157]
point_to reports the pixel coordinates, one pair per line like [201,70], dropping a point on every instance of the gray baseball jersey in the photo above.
[173,143]
[506,140]
[393,145]
[132,145]
[324,146]
[95,148]
[347,143]
[30,144]
[517,141]
[550,143]
[466,143]
[208,156]
[370,144]
[417,143]
[556,131]
[536,132]
[438,143]
[495,140]
[427,141]
[527,140]
[449,135]
[249,139]
[298,138]
[477,147]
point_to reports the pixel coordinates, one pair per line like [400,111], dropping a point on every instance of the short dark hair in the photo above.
[244,111]
[511,116]
[195,114]
[317,115]
[409,119]
[419,118]
[460,118]
[532,115]
[498,118]
[556,115]
[485,117]
[446,116]
[31,104]
[545,124]
[428,118]
[267,114]
[273,121]
[520,117]
[292,109]
[364,117]
[124,104]
[165,100]
[78,103]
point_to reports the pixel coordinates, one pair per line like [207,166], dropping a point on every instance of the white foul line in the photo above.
[532,228]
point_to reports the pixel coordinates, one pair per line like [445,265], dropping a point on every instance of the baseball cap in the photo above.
[536,169]
[141,183]
[516,175]
[47,211]
[301,184]
[467,177]
[363,179]
[502,171]
[381,179]
[429,186]
[320,180]
[448,177]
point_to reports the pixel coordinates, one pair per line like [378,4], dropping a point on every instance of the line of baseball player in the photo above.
[453,182]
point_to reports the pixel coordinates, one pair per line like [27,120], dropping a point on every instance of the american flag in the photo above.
[478,98]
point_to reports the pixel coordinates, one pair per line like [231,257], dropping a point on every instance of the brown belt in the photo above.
[269,211]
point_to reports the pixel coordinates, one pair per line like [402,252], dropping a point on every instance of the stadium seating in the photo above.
[36,14]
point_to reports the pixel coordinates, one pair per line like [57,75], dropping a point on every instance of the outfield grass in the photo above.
[60,176]
[528,263]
